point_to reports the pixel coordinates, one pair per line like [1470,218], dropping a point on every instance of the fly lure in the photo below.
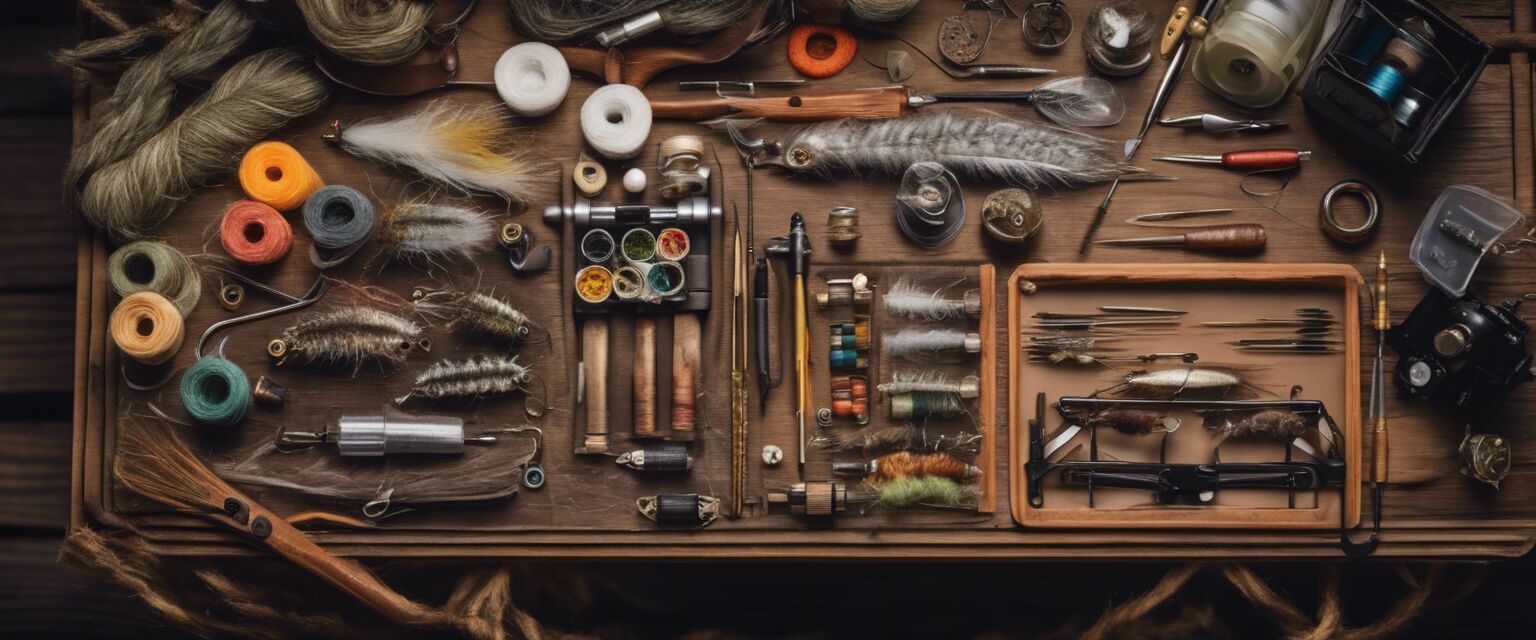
[430,232]
[934,381]
[476,312]
[905,464]
[876,440]
[930,344]
[477,377]
[349,335]
[1278,424]
[1133,422]
[909,299]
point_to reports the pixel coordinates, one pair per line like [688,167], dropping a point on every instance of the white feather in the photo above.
[910,343]
[907,298]
[433,230]
[466,148]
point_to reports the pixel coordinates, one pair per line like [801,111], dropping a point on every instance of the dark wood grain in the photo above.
[39,345]
[34,474]
[37,235]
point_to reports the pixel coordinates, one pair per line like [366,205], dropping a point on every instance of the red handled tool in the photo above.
[1255,160]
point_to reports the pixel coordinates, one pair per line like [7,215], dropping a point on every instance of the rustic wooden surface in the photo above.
[43,599]
[1431,511]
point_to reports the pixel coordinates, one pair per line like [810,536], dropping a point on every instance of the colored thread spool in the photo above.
[532,78]
[821,51]
[924,404]
[339,219]
[276,175]
[147,327]
[147,265]
[254,234]
[848,359]
[672,244]
[216,392]
[594,283]
[1385,81]
[665,278]
[639,245]
[616,120]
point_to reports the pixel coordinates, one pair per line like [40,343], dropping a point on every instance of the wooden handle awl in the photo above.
[594,361]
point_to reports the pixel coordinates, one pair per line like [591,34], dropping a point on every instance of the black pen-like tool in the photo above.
[760,331]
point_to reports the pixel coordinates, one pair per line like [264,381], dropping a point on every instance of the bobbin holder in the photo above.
[1337,86]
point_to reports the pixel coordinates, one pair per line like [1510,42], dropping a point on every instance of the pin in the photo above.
[1147,310]
[1174,215]
[1212,123]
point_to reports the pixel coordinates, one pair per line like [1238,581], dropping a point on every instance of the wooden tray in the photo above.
[1208,292]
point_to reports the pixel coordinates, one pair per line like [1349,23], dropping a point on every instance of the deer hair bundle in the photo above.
[255,97]
[368,31]
[477,377]
[981,147]
[481,313]
[349,335]
[428,231]
[472,149]
[877,440]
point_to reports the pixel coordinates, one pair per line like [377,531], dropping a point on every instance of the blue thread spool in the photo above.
[1371,42]
[216,392]
[1385,81]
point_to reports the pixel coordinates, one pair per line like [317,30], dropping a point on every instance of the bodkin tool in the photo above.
[795,248]
[1259,159]
[1211,123]
[1226,238]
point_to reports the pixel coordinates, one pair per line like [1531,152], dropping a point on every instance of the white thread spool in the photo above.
[616,120]
[532,78]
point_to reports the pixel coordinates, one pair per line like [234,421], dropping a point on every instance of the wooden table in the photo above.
[587,511]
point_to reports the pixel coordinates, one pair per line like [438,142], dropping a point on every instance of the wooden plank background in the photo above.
[42,599]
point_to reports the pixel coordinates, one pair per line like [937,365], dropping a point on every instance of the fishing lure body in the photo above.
[1185,381]
[481,313]
[349,335]
[477,377]
[878,440]
[421,230]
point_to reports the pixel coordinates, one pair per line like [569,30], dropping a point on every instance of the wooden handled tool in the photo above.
[1378,399]
[868,104]
[594,362]
[1223,238]
[685,372]
[644,399]
[1257,160]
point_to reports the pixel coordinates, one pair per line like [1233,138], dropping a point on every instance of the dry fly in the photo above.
[477,377]
[476,312]
[936,381]
[918,345]
[907,298]
[1278,424]
[431,232]
[877,440]
[349,335]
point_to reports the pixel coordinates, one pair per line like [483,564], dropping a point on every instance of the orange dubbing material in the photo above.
[821,51]
[274,174]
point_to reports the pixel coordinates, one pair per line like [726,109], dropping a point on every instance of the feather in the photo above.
[909,299]
[425,230]
[467,148]
[1020,153]
[929,344]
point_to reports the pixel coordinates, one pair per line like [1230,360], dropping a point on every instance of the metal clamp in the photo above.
[1330,223]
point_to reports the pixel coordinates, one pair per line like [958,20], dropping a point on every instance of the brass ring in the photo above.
[231,295]
[277,348]
[1350,235]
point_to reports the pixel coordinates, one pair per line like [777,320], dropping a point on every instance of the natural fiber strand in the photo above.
[132,196]
[372,32]
[571,20]
[132,32]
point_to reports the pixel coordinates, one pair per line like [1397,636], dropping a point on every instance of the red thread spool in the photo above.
[1262,159]
[253,233]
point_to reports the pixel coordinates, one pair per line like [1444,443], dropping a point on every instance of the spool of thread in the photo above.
[682,173]
[254,234]
[339,219]
[843,227]
[216,392]
[147,327]
[590,176]
[532,78]
[147,265]
[821,51]
[616,120]
[1385,81]
[276,175]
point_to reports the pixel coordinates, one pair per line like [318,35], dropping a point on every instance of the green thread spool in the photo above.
[216,392]
[925,404]
[158,267]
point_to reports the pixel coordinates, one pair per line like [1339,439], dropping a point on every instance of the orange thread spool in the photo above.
[274,174]
[253,233]
[821,51]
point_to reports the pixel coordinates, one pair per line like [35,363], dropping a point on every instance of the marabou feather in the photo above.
[468,148]
[429,231]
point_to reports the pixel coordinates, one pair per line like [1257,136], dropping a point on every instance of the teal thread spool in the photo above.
[216,392]
[1385,81]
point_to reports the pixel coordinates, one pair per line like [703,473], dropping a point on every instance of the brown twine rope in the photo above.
[130,32]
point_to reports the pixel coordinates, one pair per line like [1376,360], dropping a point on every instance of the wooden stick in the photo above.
[594,354]
[685,371]
[868,104]
[645,377]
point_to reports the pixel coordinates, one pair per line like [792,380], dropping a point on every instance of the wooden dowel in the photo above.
[884,102]
[644,400]
[685,372]
[594,353]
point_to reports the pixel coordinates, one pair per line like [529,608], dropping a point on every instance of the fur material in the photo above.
[476,377]
[421,230]
[352,335]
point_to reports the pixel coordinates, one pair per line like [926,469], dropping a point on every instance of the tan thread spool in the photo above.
[594,362]
[644,400]
[589,176]
[147,327]
[685,372]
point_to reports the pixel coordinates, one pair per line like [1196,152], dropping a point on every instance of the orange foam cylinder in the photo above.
[276,175]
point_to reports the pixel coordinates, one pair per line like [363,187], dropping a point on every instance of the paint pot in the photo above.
[628,283]
[673,244]
[665,278]
[597,245]
[594,284]
[639,245]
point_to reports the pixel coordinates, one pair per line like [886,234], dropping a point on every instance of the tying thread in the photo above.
[276,175]
[254,234]
[367,31]
[532,78]
[216,392]
[147,327]
[616,120]
[155,266]
[339,219]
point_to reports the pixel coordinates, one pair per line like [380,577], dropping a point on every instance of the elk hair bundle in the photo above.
[368,31]
[935,381]
[910,299]
[256,96]
[140,105]
[471,149]
[477,377]
[573,20]
[982,147]
[428,231]
[877,440]
[482,313]
[349,335]
[929,344]
[917,491]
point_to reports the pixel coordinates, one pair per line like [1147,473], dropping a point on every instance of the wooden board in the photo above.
[1431,511]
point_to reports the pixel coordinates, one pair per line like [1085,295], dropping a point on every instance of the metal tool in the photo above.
[316,291]
[1162,216]
[1212,123]
[1378,409]
[1109,308]
[736,88]
[1227,238]
[795,248]
[694,210]
[739,338]
[1257,160]
[388,434]
[760,333]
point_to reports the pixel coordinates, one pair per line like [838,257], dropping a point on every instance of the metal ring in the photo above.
[1350,235]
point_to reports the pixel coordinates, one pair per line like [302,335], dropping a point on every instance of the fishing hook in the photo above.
[315,292]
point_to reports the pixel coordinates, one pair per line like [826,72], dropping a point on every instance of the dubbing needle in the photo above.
[1175,215]
[1212,123]
[1230,238]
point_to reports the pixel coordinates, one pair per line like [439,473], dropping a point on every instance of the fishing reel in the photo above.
[1461,353]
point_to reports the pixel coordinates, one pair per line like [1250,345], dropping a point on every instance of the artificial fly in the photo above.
[925,491]
[1277,424]
[432,232]
[919,345]
[909,299]
[349,335]
[481,313]
[877,440]
[477,377]
[930,381]
[1183,382]
[1133,422]
[467,148]
[986,148]
[905,464]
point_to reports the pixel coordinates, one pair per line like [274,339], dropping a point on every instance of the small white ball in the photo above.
[634,180]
